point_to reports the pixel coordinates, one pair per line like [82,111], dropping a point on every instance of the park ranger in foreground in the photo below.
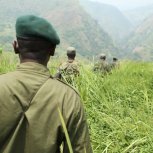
[31,101]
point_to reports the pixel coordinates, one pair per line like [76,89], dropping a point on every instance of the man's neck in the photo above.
[34,61]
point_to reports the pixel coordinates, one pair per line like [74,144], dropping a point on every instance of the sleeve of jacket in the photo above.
[78,129]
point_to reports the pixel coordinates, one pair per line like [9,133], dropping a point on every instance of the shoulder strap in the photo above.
[39,89]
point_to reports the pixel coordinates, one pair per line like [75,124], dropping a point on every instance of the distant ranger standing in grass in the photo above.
[33,105]
[101,66]
[69,69]
[115,63]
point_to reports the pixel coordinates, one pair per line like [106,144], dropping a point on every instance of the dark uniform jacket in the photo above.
[29,117]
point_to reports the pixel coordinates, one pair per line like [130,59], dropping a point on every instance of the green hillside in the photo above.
[136,16]
[110,18]
[140,43]
[75,27]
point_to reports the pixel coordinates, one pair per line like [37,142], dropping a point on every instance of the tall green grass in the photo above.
[8,62]
[65,131]
[119,106]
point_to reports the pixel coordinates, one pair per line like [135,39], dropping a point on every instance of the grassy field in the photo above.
[119,106]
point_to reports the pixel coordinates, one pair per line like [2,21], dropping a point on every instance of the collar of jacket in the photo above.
[33,66]
[70,61]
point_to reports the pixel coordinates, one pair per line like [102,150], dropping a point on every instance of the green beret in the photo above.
[71,51]
[33,27]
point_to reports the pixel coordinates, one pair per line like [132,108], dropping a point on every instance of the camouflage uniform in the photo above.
[69,69]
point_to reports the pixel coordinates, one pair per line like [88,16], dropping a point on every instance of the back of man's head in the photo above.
[115,59]
[71,52]
[102,56]
[36,37]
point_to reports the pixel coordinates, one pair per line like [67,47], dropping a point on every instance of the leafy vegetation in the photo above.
[119,106]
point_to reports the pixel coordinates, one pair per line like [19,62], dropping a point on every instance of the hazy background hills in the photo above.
[111,19]
[75,27]
[140,43]
[131,30]
[136,16]
[92,27]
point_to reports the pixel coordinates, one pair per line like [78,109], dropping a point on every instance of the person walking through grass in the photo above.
[101,66]
[69,70]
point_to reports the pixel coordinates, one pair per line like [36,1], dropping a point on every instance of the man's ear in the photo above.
[16,47]
[52,50]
